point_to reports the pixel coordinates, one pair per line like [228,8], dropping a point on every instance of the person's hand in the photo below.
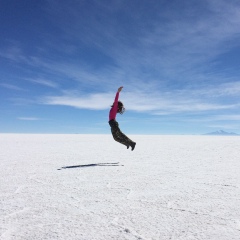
[120,89]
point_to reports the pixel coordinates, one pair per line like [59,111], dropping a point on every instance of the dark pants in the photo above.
[118,135]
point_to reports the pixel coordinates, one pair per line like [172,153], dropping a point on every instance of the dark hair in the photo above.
[121,108]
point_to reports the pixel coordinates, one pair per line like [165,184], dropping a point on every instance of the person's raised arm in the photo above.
[117,95]
[120,89]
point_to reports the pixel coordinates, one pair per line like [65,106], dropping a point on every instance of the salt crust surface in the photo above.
[91,187]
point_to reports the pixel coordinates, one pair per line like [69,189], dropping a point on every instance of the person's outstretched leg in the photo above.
[121,137]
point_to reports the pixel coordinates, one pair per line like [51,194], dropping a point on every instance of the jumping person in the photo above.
[118,136]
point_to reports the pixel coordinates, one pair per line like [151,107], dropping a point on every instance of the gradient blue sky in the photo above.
[61,63]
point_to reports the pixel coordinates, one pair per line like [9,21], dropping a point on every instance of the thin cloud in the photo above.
[44,82]
[92,101]
[224,126]
[218,119]
[230,117]
[29,118]
[11,87]
[185,46]
[140,101]
[14,53]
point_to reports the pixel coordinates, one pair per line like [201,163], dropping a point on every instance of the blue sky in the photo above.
[61,63]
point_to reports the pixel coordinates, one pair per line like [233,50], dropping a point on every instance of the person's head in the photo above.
[121,108]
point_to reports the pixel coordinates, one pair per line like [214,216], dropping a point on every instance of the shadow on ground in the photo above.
[92,165]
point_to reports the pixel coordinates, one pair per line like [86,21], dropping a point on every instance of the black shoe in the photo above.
[133,145]
[128,147]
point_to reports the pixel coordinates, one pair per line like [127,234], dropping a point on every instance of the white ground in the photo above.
[169,187]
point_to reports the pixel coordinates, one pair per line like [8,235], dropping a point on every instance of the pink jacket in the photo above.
[113,111]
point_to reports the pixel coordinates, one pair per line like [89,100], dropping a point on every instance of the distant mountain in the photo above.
[222,133]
